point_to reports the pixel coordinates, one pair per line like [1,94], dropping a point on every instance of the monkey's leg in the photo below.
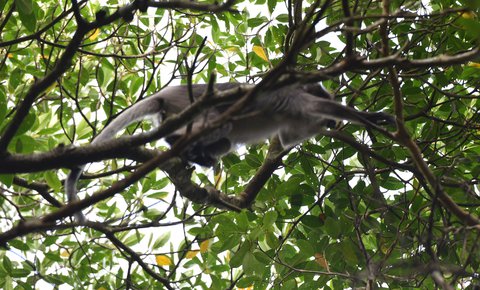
[324,108]
[207,149]
[207,154]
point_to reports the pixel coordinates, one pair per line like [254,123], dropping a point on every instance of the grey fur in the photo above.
[294,113]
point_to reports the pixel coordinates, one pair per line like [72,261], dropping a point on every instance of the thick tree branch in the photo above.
[271,163]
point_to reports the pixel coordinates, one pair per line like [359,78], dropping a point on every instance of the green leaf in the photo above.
[237,258]
[271,5]
[471,26]
[159,195]
[254,22]
[56,279]
[25,12]
[392,183]
[53,181]
[18,244]
[332,227]
[251,265]
[21,273]
[24,6]
[2,4]
[161,240]
[349,252]
[269,218]
[3,105]
[27,123]
[29,144]
[54,257]
[111,210]
[242,221]
[8,284]
[306,249]
[282,18]
[271,239]
[7,179]
[7,264]
[132,239]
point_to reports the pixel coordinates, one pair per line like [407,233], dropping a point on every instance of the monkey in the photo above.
[294,113]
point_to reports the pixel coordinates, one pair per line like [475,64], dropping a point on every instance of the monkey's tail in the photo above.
[71,190]
[146,108]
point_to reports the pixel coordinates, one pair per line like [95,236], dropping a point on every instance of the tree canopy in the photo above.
[386,207]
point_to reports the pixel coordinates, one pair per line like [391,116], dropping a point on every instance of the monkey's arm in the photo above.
[331,109]
[311,114]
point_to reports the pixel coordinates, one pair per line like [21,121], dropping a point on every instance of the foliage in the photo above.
[350,208]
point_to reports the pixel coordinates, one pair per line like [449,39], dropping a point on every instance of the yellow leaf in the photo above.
[163,260]
[383,246]
[191,254]
[50,87]
[474,64]
[64,254]
[219,180]
[94,34]
[260,52]
[204,246]
[320,259]
[227,256]
[468,14]
[9,55]
[102,288]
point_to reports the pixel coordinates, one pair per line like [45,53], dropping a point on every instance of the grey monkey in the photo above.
[294,113]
